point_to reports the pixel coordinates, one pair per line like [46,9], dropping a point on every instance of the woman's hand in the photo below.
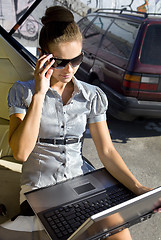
[157,206]
[43,73]
[142,189]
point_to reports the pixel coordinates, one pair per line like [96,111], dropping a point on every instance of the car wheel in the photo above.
[95,82]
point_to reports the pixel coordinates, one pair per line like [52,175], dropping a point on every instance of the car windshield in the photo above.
[151,51]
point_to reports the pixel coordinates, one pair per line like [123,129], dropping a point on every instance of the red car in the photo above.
[122,55]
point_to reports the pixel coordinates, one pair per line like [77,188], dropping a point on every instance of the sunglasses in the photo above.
[61,63]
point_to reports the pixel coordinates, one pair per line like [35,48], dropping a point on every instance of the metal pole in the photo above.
[23,18]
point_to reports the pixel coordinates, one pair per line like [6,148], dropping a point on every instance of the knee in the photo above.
[123,235]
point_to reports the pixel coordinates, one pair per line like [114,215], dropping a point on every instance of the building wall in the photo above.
[27,34]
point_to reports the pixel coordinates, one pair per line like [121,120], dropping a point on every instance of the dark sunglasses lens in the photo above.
[58,63]
[76,61]
[61,63]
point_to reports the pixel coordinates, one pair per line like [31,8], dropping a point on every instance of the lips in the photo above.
[66,76]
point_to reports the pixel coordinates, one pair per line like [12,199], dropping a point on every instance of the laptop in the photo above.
[91,206]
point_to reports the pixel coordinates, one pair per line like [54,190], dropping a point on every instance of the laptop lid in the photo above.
[119,217]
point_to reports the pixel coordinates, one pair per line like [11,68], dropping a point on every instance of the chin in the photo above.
[66,79]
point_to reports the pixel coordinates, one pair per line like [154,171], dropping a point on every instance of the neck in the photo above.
[65,90]
[60,86]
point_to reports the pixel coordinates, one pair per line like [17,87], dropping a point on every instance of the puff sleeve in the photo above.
[98,107]
[19,97]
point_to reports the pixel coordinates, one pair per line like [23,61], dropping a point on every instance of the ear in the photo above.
[40,52]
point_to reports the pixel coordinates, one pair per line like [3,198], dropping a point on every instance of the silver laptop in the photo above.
[92,206]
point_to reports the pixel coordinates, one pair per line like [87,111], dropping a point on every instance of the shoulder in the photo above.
[90,91]
[88,87]
[97,101]
[21,91]
[24,85]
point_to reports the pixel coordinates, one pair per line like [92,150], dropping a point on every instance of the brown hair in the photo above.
[59,26]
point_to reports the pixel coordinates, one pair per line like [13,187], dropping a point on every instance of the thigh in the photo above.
[123,235]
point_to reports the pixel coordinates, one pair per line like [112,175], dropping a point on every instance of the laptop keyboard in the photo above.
[66,220]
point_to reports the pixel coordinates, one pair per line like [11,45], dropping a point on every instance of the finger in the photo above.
[44,59]
[158,203]
[42,62]
[49,73]
[47,67]
[42,56]
[157,210]
[37,68]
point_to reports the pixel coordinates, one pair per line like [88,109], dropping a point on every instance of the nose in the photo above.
[69,67]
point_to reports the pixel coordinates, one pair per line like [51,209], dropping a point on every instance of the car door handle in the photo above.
[90,56]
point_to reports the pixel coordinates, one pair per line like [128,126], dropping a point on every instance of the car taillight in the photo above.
[140,82]
[149,83]
[131,81]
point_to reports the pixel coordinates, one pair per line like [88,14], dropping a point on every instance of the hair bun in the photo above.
[57,14]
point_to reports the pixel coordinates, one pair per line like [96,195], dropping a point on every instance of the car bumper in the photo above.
[129,108]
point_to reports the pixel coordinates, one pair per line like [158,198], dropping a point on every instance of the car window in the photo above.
[99,26]
[151,51]
[84,22]
[120,38]
[94,33]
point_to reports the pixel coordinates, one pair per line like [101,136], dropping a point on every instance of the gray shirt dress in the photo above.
[51,163]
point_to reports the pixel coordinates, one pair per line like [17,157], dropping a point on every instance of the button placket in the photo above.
[63,154]
[61,119]
[62,129]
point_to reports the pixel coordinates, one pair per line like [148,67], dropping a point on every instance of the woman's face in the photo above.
[68,50]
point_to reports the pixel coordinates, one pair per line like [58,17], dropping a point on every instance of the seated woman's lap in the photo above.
[123,235]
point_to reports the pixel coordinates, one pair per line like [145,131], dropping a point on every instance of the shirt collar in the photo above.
[79,88]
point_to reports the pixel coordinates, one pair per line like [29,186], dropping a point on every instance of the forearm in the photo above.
[117,167]
[23,139]
[111,158]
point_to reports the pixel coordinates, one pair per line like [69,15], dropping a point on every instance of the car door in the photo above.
[92,35]
[114,52]
[149,63]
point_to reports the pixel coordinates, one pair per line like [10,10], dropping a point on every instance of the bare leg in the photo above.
[123,235]
[109,223]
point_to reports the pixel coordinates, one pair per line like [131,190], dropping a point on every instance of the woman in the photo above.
[48,115]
